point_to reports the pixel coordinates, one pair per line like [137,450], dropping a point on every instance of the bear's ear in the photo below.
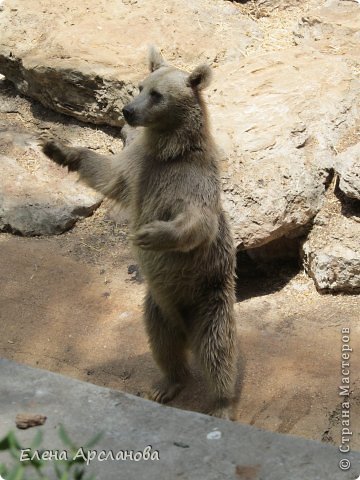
[155,59]
[200,77]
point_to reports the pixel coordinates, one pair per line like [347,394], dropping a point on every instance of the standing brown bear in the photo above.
[168,177]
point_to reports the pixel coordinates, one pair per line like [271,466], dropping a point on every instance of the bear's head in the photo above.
[168,96]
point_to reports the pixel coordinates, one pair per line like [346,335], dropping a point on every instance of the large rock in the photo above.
[85,59]
[347,165]
[332,255]
[36,196]
[276,118]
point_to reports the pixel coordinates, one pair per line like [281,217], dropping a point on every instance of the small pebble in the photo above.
[181,445]
[215,435]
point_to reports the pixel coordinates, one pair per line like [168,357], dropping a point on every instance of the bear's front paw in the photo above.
[154,236]
[54,150]
[62,154]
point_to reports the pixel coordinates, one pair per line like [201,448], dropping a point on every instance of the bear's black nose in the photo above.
[128,113]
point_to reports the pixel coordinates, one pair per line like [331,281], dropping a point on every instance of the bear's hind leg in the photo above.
[214,346]
[168,345]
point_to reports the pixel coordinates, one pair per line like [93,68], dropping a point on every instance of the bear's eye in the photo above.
[155,95]
[140,88]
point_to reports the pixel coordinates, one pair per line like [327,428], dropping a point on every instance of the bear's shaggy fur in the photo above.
[168,177]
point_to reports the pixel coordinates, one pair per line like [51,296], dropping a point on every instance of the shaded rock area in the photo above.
[82,92]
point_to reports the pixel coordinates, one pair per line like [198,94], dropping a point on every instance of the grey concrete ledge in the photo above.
[186,449]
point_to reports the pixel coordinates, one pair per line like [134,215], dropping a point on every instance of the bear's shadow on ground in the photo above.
[139,372]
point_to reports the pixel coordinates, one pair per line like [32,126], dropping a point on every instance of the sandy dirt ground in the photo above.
[70,305]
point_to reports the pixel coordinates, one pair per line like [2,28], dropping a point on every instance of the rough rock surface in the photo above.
[331,252]
[41,200]
[347,165]
[277,117]
[332,256]
[276,4]
[86,62]
[333,27]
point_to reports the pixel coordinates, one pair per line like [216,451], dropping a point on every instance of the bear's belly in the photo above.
[183,276]
[174,274]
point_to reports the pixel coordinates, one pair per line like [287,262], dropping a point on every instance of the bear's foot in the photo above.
[222,409]
[165,391]
[221,412]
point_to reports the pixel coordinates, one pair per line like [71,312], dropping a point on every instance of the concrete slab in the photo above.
[191,446]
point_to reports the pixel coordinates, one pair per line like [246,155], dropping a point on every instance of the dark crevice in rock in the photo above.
[267,269]
[330,178]
[350,207]
[263,279]
[8,229]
